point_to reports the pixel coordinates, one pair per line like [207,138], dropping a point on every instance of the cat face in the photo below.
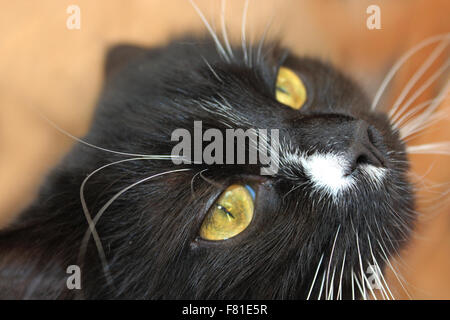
[339,204]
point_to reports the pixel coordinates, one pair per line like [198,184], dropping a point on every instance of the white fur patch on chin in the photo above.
[328,172]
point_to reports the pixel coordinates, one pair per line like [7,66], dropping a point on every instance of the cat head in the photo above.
[337,207]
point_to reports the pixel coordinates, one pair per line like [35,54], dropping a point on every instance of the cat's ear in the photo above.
[119,56]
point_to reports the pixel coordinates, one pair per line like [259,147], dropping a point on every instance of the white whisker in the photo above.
[243,36]
[421,123]
[331,258]
[360,263]
[213,34]
[224,29]
[292,189]
[53,124]
[430,148]
[321,286]
[339,296]
[315,276]
[393,270]
[413,80]
[331,294]
[420,90]
[381,273]
[401,61]
[262,41]
[363,292]
[212,70]
[92,223]
[192,181]
[412,112]
[353,285]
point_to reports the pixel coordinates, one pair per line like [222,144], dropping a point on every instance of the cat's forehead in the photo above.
[243,88]
[196,62]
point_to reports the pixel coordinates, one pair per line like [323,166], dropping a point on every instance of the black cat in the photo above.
[338,206]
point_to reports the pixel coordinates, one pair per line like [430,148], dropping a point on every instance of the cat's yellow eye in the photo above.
[230,215]
[290,89]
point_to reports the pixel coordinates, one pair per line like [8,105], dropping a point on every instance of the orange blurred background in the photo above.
[46,66]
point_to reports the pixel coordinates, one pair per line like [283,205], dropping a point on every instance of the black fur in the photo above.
[150,233]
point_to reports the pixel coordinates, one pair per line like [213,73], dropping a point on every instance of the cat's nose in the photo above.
[362,148]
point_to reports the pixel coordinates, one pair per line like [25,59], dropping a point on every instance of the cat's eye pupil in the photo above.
[224,210]
[279,88]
